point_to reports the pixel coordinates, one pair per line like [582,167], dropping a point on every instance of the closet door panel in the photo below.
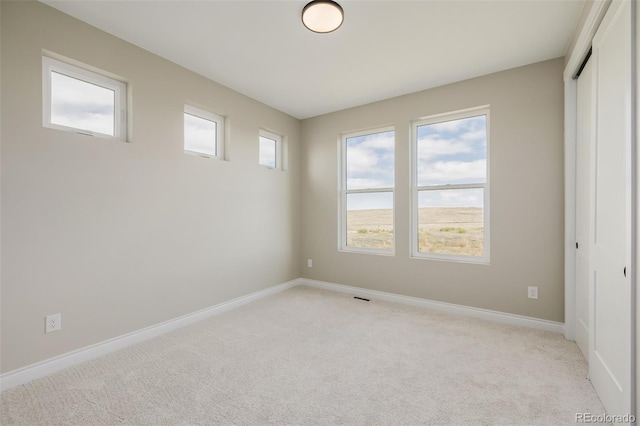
[610,318]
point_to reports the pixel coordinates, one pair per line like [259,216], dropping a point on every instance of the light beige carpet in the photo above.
[307,356]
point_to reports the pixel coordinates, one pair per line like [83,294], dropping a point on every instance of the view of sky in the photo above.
[370,161]
[452,152]
[267,152]
[370,165]
[76,103]
[199,134]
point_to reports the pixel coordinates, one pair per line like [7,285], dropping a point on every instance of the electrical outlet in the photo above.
[532,292]
[309,263]
[52,323]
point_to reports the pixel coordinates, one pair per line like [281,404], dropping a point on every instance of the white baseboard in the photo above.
[50,366]
[540,324]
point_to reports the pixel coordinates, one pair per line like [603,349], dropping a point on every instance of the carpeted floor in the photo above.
[308,356]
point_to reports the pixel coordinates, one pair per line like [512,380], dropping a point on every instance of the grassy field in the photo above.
[444,230]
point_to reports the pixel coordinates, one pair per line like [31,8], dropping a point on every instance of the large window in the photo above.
[203,133]
[78,100]
[367,195]
[451,186]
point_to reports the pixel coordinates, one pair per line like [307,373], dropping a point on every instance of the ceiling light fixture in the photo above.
[322,16]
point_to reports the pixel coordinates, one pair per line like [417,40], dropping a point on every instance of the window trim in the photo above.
[343,192]
[220,131]
[50,65]
[415,189]
[267,134]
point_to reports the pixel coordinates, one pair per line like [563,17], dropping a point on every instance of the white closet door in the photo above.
[584,186]
[610,327]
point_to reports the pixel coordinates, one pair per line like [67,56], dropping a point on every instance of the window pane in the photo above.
[76,103]
[200,135]
[369,160]
[452,152]
[450,221]
[267,152]
[370,220]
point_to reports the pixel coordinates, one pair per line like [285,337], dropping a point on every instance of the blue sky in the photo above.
[450,152]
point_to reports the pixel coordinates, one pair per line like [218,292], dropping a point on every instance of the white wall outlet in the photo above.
[309,263]
[532,292]
[52,323]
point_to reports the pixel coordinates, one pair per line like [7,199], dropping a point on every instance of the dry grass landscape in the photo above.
[443,230]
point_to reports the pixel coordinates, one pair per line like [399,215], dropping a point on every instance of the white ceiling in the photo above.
[384,48]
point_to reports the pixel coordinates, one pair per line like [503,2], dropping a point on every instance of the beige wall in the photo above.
[118,236]
[527,231]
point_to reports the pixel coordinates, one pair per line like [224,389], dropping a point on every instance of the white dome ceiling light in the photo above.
[322,16]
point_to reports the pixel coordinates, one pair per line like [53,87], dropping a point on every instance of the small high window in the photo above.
[82,101]
[269,149]
[203,133]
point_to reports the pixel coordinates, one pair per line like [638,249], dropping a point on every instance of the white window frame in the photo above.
[415,189]
[275,137]
[344,192]
[220,130]
[50,65]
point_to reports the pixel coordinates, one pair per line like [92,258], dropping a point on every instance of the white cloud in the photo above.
[82,105]
[430,147]
[199,135]
[267,152]
[361,159]
[364,183]
[441,172]
[475,135]
[380,141]
[370,161]
[452,126]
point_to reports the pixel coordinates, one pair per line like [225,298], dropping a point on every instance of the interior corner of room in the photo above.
[128,238]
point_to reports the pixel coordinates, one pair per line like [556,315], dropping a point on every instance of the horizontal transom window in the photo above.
[76,99]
